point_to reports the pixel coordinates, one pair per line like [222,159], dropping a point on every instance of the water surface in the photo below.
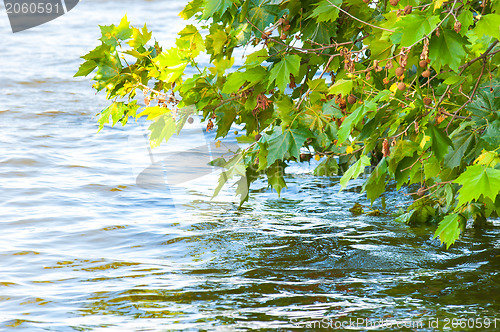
[83,247]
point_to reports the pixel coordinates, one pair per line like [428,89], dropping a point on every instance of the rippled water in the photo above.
[83,247]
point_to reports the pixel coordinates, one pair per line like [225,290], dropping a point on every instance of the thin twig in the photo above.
[470,97]
[482,56]
[357,19]
[437,26]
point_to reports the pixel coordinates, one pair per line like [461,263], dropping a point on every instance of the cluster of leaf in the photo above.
[409,88]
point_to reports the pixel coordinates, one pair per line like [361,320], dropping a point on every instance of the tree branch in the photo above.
[357,19]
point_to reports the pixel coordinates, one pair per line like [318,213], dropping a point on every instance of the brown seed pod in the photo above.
[394,2]
[283,36]
[385,148]
[426,73]
[351,99]
[389,65]
[427,100]
[257,137]
[421,191]
[457,27]
[342,103]
[190,120]
[305,157]
[400,71]
[437,32]
[422,63]
[366,1]
[401,86]
[385,80]
[408,9]
[210,125]
[286,27]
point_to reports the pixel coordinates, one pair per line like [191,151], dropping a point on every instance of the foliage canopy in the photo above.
[409,88]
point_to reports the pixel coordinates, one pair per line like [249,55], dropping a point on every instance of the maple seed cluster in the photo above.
[423,64]
[351,99]
[399,73]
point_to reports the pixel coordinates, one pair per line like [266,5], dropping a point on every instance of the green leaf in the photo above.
[140,38]
[486,105]
[243,189]
[462,142]
[191,9]
[319,32]
[495,6]
[262,16]
[111,34]
[288,142]
[353,119]
[492,135]
[234,167]
[280,73]
[440,142]
[415,26]
[488,25]
[405,217]
[223,178]
[380,49]
[86,68]
[235,80]
[324,11]
[431,167]
[161,130]
[478,181]
[448,230]
[488,158]
[331,108]
[275,176]
[190,40]
[257,57]
[454,80]
[218,7]
[403,149]
[285,110]
[466,19]
[354,171]
[153,112]
[375,184]
[171,65]
[341,86]
[216,40]
[116,110]
[447,49]
[225,118]
[328,167]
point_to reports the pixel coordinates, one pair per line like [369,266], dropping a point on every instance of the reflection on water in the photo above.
[84,247]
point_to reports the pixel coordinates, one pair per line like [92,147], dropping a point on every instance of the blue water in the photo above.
[84,246]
